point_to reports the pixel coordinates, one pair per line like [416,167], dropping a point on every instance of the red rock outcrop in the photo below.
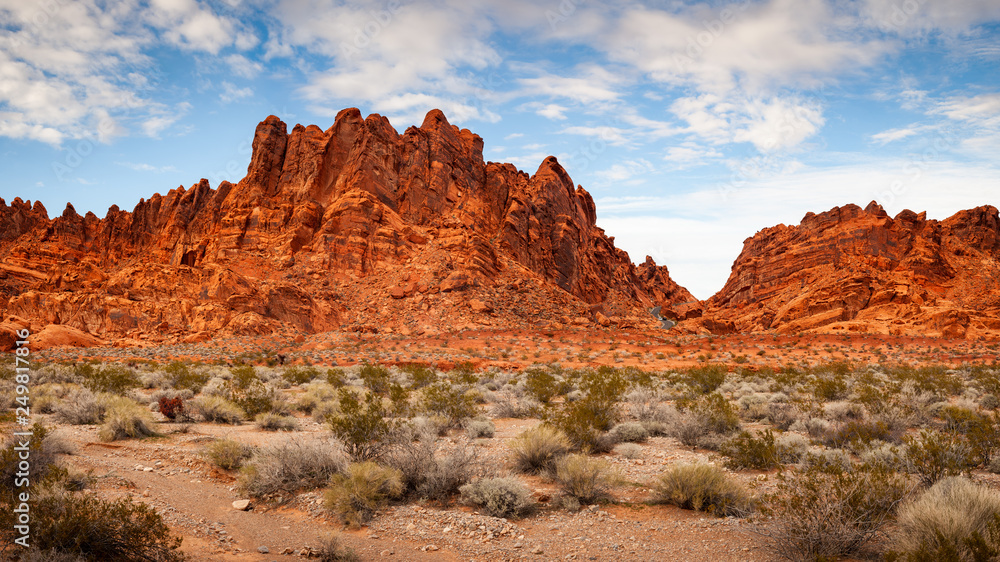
[356,227]
[858,270]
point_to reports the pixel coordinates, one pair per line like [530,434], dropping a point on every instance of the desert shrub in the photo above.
[33,554]
[113,379]
[96,530]
[509,404]
[981,431]
[791,447]
[355,495]
[170,407]
[246,390]
[499,497]
[716,414]
[827,460]
[181,376]
[335,377]
[586,421]
[292,465]
[628,450]
[536,450]
[933,455]
[215,409]
[585,478]
[747,451]
[830,388]
[703,380]
[330,551]
[782,415]
[81,407]
[878,452]
[541,384]
[364,427]
[317,395]
[824,512]
[275,422]
[376,377]
[448,401]
[227,454]
[41,465]
[630,432]
[858,433]
[844,411]
[702,487]
[124,419]
[478,428]
[956,519]
[420,375]
[300,375]
[446,475]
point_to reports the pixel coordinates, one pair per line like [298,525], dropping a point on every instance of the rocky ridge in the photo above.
[355,228]
[860,270]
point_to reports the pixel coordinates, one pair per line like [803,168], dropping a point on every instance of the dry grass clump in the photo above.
[702,487]
[364,488]
[823,512]
[499,497]
[227,454]
[125,419]
[216,409]
[956,519]
[630,432]
[270,421]
[480,428]
[536,450]
[584,478]
[330,551]
[81,406]
[292,465]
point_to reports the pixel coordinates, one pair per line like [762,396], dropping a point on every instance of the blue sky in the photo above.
[692,124]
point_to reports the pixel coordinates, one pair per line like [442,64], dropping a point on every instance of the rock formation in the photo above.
[858,270]
[356,227]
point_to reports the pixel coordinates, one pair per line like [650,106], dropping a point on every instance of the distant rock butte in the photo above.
[353,228]
[854,270]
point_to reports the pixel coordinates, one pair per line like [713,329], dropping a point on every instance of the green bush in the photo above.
[97,530]
[824,512]
[499,497]
[113,379]
[956,519]
[714,412]
[227,454]
[536,450]
[827,389]
[124,419]
[290,466]
[216,409]
[364,427]
[748,452]
[934,455]
[541,384]
[300,375]
[703,380]
[702,487]
[420,375]
[981,430]
[246,390]
[449,402]
[584,478]
[587,420]
[366,487]
[376,377]
[181,376]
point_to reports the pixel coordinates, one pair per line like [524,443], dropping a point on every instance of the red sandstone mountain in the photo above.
[356,227]
[858,270]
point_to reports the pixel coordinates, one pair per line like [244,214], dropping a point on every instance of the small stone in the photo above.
[147,469]
[263,549]
[385,553]
[431,548]
[288,550]
[241,505]
[537,550]
[145,493]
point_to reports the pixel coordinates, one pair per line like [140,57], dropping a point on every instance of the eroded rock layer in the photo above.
[356,227]
[859,270]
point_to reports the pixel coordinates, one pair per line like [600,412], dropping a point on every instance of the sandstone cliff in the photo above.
[859,270]
[356,227]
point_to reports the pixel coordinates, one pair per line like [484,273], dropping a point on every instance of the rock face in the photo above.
[858,270]
[356,227]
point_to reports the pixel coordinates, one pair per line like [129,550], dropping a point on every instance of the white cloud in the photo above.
[916,16]
[689,155]
[143,167]
[552,111]
[188,25]
[769,124]
[162,119]
[608,134]
[243,67]
[231,93]
[513,136]
[892,135]
[623,172]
